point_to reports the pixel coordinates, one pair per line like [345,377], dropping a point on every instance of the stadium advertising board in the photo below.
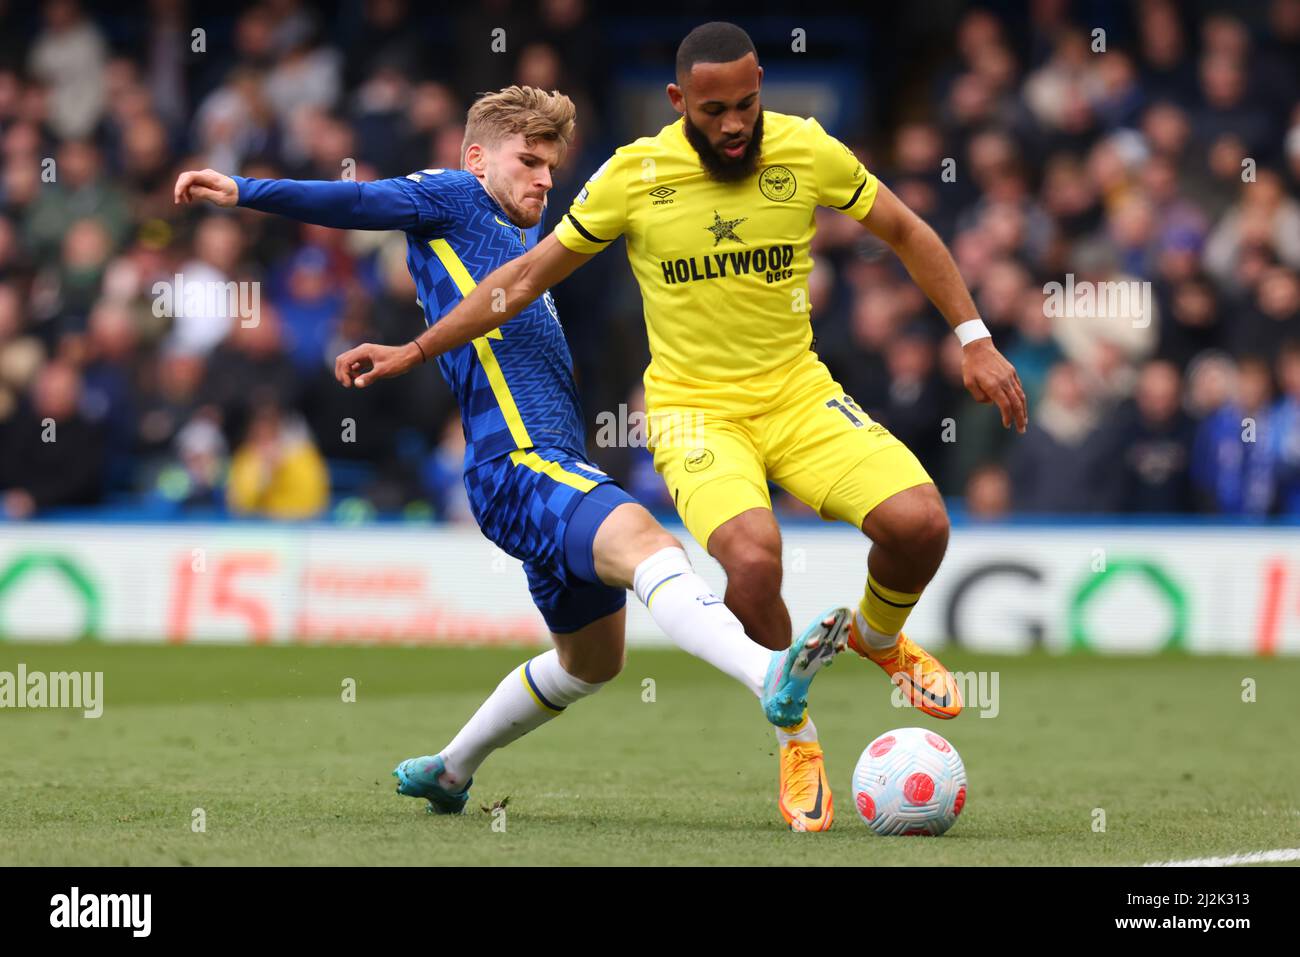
[1104,589]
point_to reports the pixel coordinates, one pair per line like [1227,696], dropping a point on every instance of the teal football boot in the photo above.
[785,690]
[418,778]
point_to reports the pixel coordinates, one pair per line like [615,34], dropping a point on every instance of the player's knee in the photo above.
[598,669]
[935,526]
[754,567]
[928,535]
[647,542]
[639,536]
[656,539]
[611,665]
[617,665]
[749,548]
[919,528]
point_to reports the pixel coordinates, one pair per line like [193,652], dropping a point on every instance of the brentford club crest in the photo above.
[777,183]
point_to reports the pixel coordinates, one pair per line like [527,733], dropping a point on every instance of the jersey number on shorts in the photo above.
[847,405]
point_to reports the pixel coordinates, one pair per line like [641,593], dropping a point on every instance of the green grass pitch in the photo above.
[286,772]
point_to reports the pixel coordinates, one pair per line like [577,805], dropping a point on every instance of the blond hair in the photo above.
[536,114]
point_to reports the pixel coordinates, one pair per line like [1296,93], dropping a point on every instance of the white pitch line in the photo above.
[1279,855]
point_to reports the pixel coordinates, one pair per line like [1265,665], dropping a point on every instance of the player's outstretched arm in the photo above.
[493,302]
[986,373]
[341,204]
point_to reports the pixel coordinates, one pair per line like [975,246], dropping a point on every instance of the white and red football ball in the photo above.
[909,781]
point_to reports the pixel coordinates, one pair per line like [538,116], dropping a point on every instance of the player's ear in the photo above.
[676,97]
[475,159]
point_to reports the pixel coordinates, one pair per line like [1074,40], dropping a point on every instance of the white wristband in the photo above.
[970,330]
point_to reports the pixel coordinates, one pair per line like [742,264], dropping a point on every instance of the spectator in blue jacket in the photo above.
[1233,465]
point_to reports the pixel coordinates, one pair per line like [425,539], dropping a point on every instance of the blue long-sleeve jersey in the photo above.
[514,385]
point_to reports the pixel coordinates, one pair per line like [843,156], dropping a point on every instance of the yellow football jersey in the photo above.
[723,267]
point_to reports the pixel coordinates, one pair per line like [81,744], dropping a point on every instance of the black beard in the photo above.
[720,167]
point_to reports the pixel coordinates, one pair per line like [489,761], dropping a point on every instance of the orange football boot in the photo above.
[927,684]
[804,794]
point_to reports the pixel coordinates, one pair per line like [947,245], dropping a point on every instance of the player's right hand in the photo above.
[368,361]
[206,184]
[989,377]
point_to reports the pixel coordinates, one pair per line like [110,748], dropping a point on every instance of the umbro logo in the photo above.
[661,195]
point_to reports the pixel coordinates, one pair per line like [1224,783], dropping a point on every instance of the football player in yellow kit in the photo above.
[717,209]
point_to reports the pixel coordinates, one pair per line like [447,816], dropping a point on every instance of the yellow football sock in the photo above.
[886,609]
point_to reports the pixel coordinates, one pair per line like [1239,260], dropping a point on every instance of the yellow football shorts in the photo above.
[818,445]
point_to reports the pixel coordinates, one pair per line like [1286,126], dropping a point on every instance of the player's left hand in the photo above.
[989,377]
[360,364]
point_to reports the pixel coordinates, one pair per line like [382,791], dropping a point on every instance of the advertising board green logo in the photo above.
[28,563]
[1116,569]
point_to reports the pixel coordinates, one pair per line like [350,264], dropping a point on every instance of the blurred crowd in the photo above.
[1171,157]
[1172,160]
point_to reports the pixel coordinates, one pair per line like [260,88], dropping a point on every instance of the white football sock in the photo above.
[697,621]
[878,640]
[805,731]
[515,708]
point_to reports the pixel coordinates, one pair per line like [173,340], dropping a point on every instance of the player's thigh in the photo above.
[626,537]
[826,451]
[595,652]
[714,477]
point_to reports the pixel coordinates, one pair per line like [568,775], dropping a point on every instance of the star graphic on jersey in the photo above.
[725,228]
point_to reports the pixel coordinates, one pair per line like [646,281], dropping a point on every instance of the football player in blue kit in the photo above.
[582,539]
